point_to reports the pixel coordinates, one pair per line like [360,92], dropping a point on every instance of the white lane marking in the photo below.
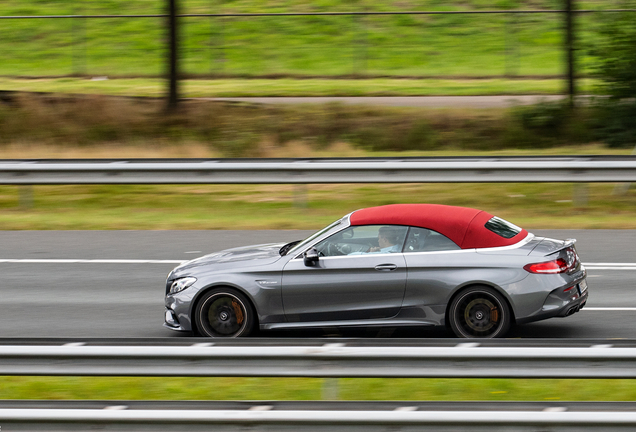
[261,408]
[334,345]
[116,407]
[610,268]
[89,261]
[406,408]
[467,345]
[555,409]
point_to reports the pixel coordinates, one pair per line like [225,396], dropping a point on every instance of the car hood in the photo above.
[256,255]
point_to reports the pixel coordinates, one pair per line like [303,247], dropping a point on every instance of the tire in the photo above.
[224,312]
[479,312]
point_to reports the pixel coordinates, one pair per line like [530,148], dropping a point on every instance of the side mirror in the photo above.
[310,257]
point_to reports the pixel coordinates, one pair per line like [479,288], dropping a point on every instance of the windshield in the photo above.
[314,236]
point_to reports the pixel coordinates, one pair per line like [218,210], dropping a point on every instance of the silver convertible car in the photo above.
[395,265]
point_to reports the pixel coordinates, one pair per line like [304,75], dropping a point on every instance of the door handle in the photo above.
[386,267]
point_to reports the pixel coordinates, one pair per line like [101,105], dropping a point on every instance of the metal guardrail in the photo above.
[319,420]
[462,360]
[308,171]
[330,361]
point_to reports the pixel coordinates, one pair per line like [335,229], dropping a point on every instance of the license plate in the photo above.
[582,286]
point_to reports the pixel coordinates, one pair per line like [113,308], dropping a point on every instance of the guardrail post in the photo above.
[330,389]
[300,195]
[25,196]
[581,194]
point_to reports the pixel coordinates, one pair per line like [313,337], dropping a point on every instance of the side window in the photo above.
[426,240]
[502,227]
[357,240]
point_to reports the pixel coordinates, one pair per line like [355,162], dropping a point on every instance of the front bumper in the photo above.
[171,321]
[177,311]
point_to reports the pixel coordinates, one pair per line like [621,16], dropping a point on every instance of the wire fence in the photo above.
[473,43]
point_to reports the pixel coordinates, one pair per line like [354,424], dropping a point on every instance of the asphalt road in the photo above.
[42,297]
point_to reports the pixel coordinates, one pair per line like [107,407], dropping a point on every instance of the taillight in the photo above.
[572,257]
[558,265]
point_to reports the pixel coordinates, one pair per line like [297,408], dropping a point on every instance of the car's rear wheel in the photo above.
[479,312]
[224,312]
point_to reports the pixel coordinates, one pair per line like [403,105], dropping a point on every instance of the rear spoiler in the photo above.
[566,244]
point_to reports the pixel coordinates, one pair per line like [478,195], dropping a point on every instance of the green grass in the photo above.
[226,87]
[166,388]
[276,207]
[431,45]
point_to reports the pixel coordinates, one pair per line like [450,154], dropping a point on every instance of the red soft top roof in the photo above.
[464,226]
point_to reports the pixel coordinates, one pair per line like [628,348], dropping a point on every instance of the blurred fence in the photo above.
[472,43]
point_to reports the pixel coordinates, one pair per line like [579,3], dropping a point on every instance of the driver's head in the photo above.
[388,236]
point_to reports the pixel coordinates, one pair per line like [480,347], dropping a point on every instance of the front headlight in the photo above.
[181,284]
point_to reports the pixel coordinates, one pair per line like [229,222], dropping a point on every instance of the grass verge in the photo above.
[536,206]
[155,87]
[443,389]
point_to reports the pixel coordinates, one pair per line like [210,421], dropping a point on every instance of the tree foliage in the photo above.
[616,54]
[616,68]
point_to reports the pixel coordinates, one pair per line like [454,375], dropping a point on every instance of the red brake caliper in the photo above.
[238,311]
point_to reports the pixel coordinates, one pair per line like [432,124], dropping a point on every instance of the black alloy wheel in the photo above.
[224,313]
[479,312]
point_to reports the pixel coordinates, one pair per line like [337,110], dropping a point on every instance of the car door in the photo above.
[435,267]
[352,279]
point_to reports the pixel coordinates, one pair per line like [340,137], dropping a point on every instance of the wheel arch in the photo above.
[201,293]
[473,284]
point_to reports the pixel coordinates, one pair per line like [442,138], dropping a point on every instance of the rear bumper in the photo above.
[560,303]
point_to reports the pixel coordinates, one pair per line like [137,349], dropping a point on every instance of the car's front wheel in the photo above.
[479,312]
[224,312]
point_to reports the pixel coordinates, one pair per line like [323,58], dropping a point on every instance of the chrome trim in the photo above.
[440,252]
[363,255]
[349,323]
[517,245]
